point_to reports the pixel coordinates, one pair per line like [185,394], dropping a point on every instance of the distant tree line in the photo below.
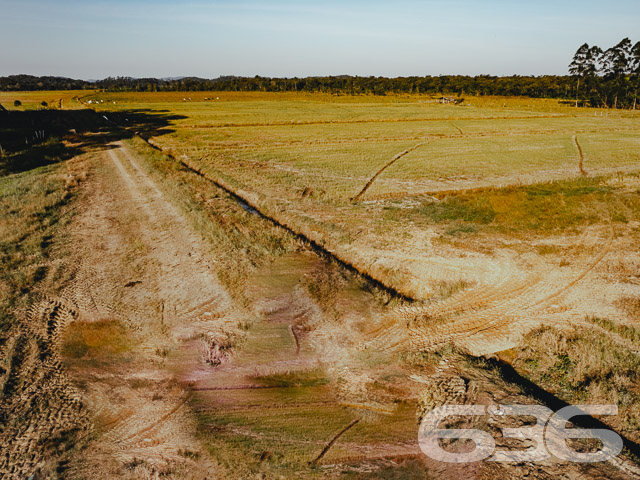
[544,86]
[598,78]
[549,86]
[31,83]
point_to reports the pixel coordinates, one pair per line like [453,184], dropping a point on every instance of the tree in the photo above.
[578,65]
[594,60]
[585,65]
[635,70]
[635,59]
[616,64]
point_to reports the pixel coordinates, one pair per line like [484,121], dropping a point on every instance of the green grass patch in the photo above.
[103,340]
[466,209]
[630,333]
[547,208]
[305,378]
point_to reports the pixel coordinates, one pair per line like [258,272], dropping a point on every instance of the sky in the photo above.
[284,38]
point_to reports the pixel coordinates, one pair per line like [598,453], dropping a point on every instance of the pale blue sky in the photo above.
[95,39]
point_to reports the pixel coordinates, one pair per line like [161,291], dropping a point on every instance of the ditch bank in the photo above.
[251,205]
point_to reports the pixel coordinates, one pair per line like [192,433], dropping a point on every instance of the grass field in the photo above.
[36,194]
[303,158]
[335,144]
[33,100]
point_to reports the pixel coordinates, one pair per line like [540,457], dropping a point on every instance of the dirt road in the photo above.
[140,263]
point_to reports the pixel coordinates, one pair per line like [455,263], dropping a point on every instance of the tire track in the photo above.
[391,162]
[476,320]
[132,231]
[295,337]
[457,128]
[333,440]
[512,309]
[159,421]
[581,154]
[38,403]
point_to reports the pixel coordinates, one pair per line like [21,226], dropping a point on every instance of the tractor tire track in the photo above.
[581,154]
[38,401]
[160,420]
[295,338]
[359,195]
[474,320]
[457,128]
[333,440]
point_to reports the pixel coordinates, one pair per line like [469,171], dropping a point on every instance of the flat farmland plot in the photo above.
[357,174]
[339,158]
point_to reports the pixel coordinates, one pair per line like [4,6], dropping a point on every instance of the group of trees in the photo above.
[607,78]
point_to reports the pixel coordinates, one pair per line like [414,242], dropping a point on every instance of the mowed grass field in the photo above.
[306,159]
[65,99]
[359,175]
[334,144]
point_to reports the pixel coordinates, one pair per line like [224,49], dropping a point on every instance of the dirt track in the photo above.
[581,154]
[140,264]
[493,314]
[359,195]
